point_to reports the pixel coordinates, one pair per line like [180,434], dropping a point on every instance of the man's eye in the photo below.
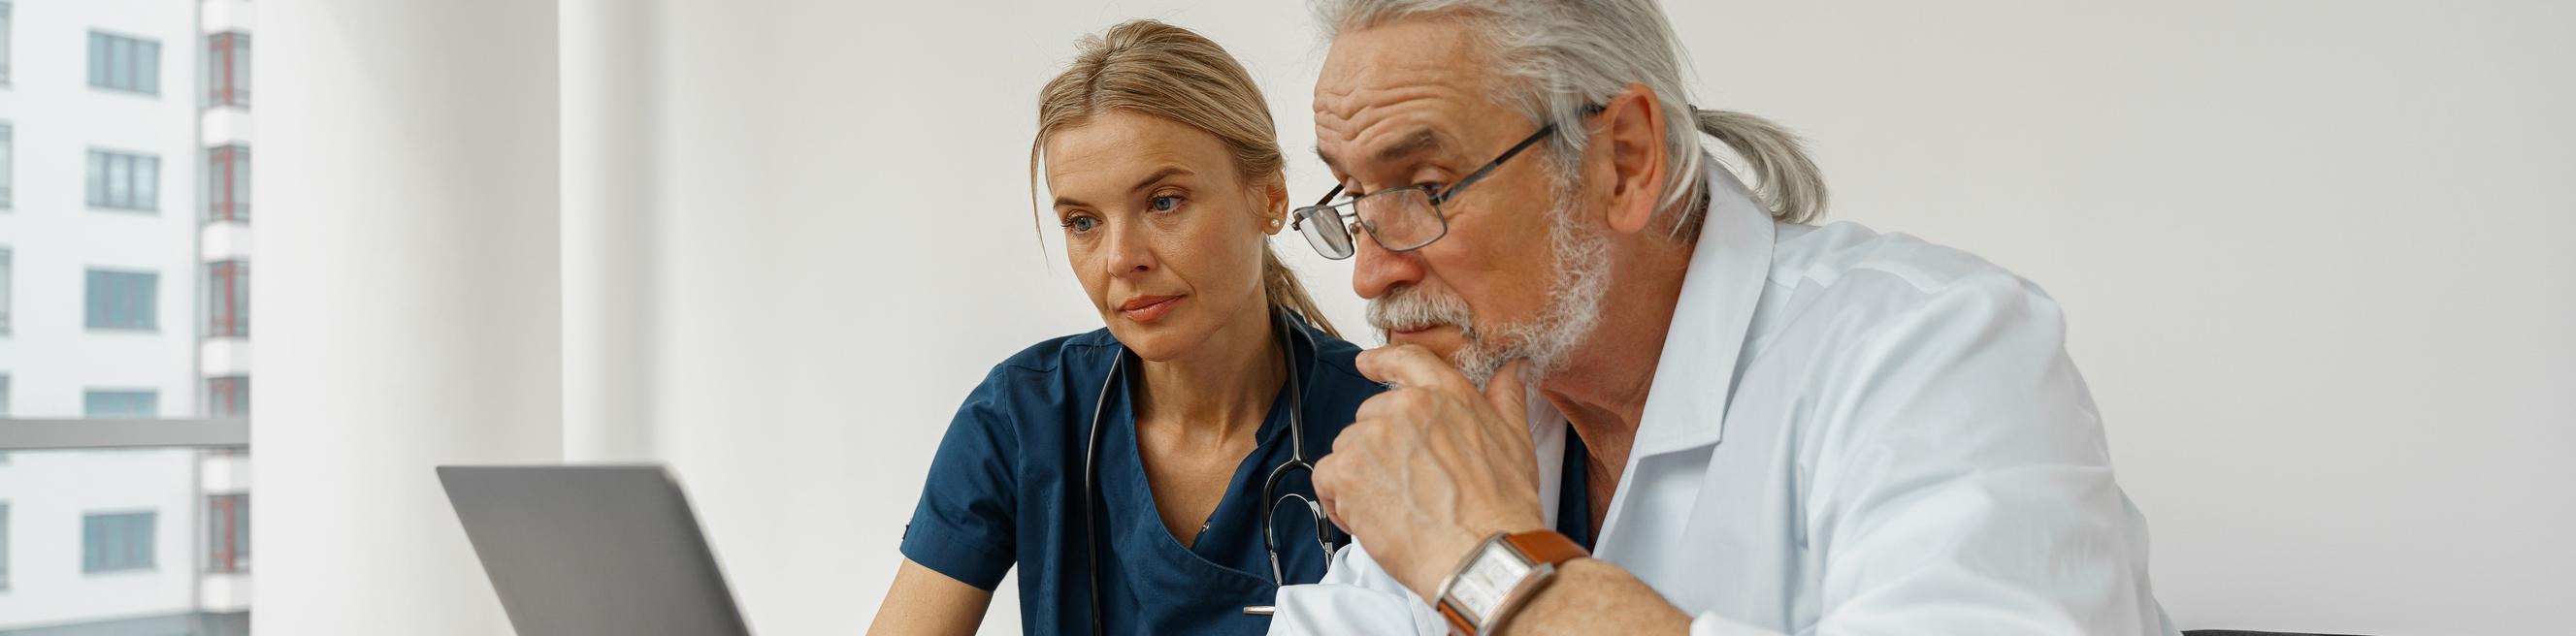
[1081,224]
[1164,203]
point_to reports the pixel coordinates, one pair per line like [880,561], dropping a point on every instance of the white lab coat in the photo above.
[1848,433]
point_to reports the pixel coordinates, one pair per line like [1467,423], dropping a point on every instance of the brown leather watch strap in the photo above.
[1545,547]
[1458,624]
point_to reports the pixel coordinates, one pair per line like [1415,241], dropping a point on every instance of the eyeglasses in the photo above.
[1399,219]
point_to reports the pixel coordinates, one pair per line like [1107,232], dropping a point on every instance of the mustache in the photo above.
[1407,308]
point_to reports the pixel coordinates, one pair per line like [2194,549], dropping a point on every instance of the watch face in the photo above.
[1487,580]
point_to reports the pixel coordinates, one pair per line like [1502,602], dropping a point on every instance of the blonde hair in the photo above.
[1170,72]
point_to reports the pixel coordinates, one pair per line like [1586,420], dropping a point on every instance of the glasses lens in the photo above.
[1324,229]
[1402,219]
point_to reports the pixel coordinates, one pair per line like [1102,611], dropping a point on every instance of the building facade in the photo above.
[125,145]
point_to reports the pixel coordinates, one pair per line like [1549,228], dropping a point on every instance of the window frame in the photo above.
[227,301]
[228,183]
[136,557]
[228,69]
[149,307]
[117,180]
[124,63]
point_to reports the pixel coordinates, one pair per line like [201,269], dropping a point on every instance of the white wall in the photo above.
[2311,254]
[2304,247]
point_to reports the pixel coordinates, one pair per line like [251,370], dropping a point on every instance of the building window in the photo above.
[228,69]
[121,63]
[228,396]
[228,533]
[5,25]
[116,542]
[8,158]
[5,277]
[228,183]
[124,300]
[4,400]
[124,181]
[120,403]
[227,299]
[4,536]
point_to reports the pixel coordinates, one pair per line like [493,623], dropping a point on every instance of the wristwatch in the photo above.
[1499,576]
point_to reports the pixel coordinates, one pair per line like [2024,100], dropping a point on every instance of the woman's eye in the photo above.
[1081,224]
[1164,203]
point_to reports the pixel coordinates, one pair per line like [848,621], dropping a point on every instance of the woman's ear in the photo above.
[1274,208]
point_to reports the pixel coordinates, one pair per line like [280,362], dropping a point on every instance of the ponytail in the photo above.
[1280,285]
[1788,183]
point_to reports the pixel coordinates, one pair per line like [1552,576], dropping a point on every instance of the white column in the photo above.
[613,207]
[408,301]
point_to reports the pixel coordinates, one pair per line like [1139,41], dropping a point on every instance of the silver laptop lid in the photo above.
[592,550]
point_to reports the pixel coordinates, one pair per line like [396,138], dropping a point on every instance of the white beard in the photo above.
[1580,279]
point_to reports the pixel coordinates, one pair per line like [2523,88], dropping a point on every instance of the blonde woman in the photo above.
[1150,476]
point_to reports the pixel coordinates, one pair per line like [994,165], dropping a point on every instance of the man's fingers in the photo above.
[1407,366]
[1509,397]
[1327,481]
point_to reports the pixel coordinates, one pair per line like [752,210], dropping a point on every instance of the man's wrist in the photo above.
[1442,559]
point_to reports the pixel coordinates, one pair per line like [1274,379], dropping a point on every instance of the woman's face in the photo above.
[1163,231]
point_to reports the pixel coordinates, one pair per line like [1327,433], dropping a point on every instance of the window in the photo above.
[228,69]
[228,533]
[228,396]
[227,299]
[121,63]
[124,181]
[116,542]
[124,300]
[5,24]
[228,183]
[4,399]
[121,403]
[4,297]
[8,150]
[4,532]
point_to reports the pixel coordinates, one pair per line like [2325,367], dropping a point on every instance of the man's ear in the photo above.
[1631,129]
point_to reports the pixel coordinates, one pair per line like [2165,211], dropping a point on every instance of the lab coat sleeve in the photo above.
[1355,597]
[1957,480]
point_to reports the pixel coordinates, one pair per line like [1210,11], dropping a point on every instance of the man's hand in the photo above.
[1432,467]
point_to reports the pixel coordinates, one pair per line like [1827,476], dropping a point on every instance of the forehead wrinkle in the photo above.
[1410,105]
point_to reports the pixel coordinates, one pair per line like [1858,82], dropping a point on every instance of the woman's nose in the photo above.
[1131,251]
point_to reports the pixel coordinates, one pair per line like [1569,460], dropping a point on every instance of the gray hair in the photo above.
[1556,59]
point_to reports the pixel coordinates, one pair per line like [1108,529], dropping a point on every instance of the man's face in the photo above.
[1406,103]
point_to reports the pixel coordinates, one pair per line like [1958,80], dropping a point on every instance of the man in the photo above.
[1769,427]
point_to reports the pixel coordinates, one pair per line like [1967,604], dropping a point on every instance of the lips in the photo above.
[1147,308]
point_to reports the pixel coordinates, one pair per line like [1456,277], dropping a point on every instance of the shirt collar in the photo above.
[1696,375]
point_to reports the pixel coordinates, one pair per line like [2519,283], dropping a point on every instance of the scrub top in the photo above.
[1006,489]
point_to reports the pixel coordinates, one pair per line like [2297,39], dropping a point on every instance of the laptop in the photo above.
[592,550]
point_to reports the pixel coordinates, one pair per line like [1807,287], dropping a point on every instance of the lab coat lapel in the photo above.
[1695,377]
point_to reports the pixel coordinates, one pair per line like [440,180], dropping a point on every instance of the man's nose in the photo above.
[1379,269]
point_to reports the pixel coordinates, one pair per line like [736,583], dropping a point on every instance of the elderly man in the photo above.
[1742,424]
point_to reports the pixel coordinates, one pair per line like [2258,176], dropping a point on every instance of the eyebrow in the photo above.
[1419,142]
[1166,172]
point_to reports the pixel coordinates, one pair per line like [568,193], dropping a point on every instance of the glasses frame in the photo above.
[1435,194]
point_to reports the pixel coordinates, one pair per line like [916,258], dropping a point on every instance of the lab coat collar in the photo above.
[1695,377]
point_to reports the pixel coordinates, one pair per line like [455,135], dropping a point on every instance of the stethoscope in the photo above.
[1289,334]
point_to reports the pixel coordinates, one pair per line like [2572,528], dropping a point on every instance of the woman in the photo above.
[1127,472]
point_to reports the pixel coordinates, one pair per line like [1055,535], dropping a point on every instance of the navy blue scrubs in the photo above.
[1007,490]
